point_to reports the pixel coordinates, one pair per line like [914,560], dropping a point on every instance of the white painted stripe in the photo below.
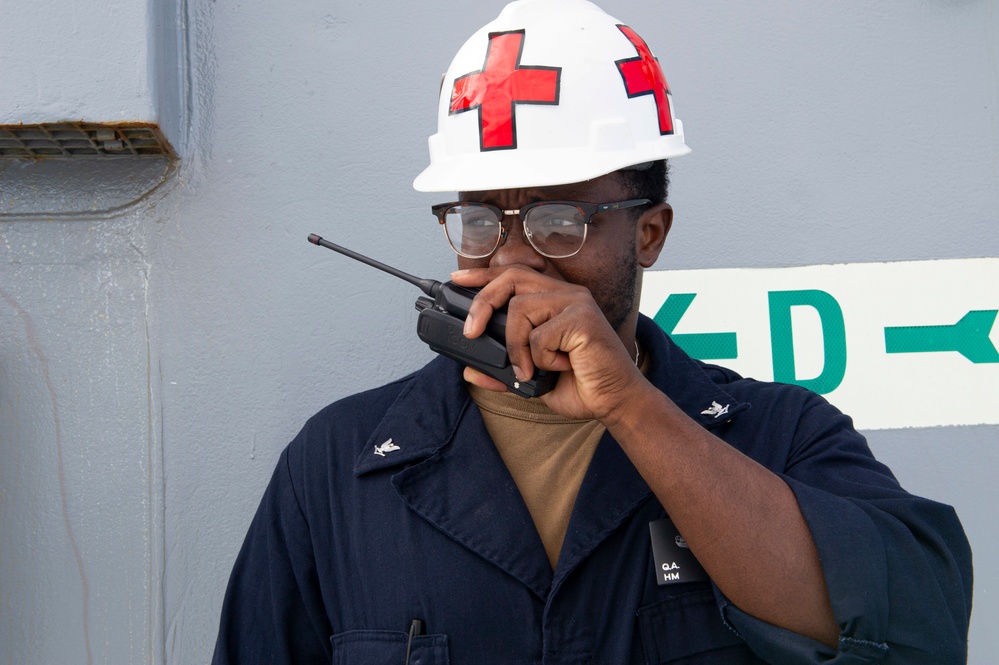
[881,390]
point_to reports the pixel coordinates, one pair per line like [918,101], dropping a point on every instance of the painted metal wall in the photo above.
[164,331]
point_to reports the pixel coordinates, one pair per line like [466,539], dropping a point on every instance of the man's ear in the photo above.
[650,233]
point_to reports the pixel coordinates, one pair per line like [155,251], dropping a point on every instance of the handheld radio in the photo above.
[442,319]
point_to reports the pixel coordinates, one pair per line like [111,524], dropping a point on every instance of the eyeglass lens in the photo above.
[473,231]
[556,230]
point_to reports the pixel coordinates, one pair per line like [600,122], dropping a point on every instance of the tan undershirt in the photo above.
[547,455]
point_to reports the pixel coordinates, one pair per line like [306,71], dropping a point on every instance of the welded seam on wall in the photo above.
[36,347]
[101,214]
[188,101]
[156,518]
[155,480]
[157,633]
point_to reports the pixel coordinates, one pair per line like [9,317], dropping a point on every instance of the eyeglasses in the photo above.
[556,229]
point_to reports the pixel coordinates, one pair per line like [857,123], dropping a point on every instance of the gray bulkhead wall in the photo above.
[159,349]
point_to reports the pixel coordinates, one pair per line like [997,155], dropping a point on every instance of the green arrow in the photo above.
[703,346]
[969,337]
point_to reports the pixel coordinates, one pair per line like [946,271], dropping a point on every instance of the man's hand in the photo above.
[556,326]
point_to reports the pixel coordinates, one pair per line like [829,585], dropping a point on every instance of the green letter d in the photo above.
[833,338]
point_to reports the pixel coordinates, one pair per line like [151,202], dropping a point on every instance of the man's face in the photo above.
[607,264]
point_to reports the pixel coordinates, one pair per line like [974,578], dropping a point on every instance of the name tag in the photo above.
[674,561]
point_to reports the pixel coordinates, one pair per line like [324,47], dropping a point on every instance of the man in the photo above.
[650,508]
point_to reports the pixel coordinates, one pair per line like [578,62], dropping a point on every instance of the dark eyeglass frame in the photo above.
[440,211]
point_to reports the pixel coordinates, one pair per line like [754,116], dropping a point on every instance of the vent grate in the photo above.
[82,139]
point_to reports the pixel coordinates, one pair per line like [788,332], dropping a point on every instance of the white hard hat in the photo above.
[551,92]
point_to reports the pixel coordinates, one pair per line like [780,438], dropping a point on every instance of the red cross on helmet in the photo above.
[551,92]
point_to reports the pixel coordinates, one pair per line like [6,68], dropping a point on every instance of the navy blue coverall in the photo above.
[355,539]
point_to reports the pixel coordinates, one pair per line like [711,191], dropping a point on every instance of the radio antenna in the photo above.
[428,286]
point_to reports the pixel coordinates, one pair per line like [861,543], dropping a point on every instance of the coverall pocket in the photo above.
[687,629]
[387,647]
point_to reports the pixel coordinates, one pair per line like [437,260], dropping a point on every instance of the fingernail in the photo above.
[519,373]
[468,324]
[458,273]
